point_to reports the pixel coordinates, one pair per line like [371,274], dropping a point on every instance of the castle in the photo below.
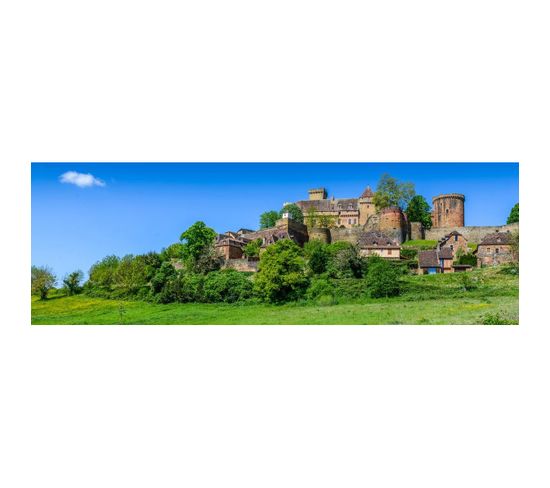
[356,220]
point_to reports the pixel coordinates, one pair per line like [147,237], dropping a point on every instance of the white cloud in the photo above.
[81,180]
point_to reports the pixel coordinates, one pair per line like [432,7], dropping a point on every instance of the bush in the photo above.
[409,253]
[317,256]
[102,273]
[468,283]
[467,259]
[345,261]
[497,319]
[350,288]
[320,287]
[281,273]
[227,286]
[510,269]
[382,278]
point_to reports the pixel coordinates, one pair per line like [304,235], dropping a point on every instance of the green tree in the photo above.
[419,210]
[269,219]
[252,249]
[382,278]
[326,221]
[390,192]
[197,240]
[42,281]
[294,212]
[317,256]
[72,281]
[227,286]
[173,251]
[344,261]
[102,273]
[281,275]
[514,215]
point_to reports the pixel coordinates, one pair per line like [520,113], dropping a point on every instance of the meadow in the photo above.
[488,295]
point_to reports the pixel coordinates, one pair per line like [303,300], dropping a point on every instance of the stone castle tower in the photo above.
[448,210]
[366,206]
[317,194]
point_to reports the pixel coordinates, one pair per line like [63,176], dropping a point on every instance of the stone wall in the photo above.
[241,265]
[320,234]
[472,233]
[348,235]
[416,231]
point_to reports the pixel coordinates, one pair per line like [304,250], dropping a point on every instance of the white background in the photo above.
[391,406]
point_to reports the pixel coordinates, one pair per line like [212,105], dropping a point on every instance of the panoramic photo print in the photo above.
[275,243]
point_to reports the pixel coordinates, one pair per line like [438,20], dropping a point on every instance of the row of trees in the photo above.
[286,272]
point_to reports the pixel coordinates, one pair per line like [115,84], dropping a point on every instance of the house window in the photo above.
[456,238]
[389,252]
[496,250]
[349,221]
[354,221]
[452,248]
[446,210]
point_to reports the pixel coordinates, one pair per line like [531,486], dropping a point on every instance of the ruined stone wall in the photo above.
[241,265]
[320,234]
[472,233]
[348,235]
[416,231]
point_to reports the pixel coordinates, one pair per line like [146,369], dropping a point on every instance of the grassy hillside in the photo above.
[485,295]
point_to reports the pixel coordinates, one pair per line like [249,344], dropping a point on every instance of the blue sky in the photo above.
[135,208]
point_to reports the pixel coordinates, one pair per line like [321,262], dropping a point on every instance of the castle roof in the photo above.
[326,205]
[376,239]
[497,238]
[445,253]
[367,193]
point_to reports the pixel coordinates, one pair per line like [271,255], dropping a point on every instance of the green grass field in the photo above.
[433,299]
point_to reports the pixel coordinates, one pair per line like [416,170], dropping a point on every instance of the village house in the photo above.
[376,243]
[454,241]
[436,261]
[495,249]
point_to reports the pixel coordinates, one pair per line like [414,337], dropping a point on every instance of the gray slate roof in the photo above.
[377,239]
[497,238]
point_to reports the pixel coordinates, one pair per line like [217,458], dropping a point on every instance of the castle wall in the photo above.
[241,265]
[392,223]
[416,231]
[348,235]
[320,234]
[472,233]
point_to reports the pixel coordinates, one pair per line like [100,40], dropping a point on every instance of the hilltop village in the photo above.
[383,232]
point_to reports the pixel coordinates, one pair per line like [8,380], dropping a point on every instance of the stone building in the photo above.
[448,210]
[345,212]
[454,241]
[436,261]
[376,243]
[496,248]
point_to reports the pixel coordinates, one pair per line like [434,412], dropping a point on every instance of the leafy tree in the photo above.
[42,281]
[311,217]
[317,256]
[419,210]
[268,219]
[227,286]
[294,211]
[72,281]
[173,251]
[102,273]
[252,249]
[327,221]
[321,287]
[514,215]
[164,274]
[130,275]
[390,192]
[345,261]
[208,261]
[281,274]
[382,278]
[198,238]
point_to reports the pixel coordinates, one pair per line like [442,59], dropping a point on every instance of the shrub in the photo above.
[317,256]
[320,287]
[468,283]
[350,288]
[344,261]
[102,273]
[467,259]
[227,286]
[497,319]
[409,253]
[281,274]
[510,269]
[382,278]
[252,249]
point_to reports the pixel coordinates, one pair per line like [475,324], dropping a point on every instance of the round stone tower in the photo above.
[448,210]
[393,223]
